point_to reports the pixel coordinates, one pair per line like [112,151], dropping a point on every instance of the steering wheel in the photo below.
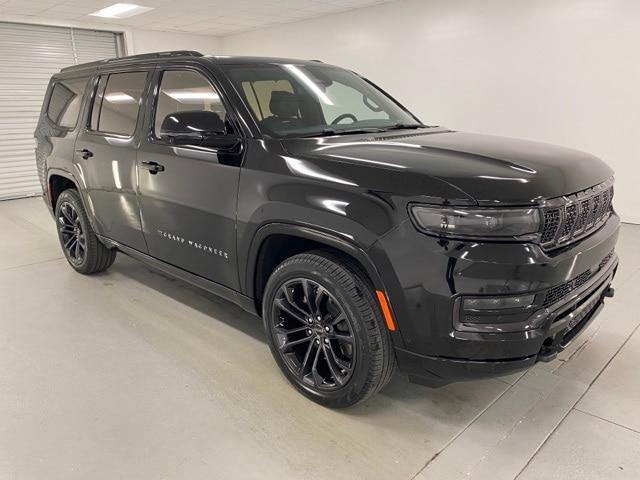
[339,118]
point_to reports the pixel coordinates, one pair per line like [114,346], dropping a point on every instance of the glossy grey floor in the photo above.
[130,374]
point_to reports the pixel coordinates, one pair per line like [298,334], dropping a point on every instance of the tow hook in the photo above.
[609,292]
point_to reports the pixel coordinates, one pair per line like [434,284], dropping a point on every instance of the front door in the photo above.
[188,193]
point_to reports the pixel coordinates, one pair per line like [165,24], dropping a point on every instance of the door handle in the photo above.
[85,153]
[153,167]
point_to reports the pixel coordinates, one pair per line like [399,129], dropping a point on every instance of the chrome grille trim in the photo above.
[572,217]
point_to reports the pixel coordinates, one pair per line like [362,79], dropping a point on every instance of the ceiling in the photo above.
[206,17]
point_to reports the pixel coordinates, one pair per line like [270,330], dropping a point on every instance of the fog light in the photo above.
[498,303]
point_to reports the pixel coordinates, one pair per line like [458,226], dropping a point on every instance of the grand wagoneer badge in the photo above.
[193,244]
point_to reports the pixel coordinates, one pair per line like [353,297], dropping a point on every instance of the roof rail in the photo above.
[143,56]
[154,55]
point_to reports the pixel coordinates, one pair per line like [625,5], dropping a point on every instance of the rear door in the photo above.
[106,153]
[188,194]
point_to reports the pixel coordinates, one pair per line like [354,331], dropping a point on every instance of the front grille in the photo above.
[570,218]
[551,224]
[571,213]
[557,293]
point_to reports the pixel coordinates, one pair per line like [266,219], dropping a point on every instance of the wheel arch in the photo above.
[57,182]
[60,180]
[267,252]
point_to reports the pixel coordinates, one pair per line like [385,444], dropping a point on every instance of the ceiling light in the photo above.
[193,96]
[119,97]
[121,10]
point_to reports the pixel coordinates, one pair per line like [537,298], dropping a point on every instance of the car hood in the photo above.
[489,169]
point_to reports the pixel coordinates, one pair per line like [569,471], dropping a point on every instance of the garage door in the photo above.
[29,55]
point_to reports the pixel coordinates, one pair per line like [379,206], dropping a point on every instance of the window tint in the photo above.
[120,103]
[184,90]
[65,101]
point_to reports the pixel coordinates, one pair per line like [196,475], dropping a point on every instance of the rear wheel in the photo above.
[81,247]
[325,330]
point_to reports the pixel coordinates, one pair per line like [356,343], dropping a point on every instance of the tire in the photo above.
[353,357]
[80,245]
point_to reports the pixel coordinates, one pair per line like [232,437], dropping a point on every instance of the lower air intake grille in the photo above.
[557,293]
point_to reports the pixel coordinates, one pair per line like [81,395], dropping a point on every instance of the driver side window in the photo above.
[186,90]
[347,99]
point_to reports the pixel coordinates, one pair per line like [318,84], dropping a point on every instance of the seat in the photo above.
[285,107]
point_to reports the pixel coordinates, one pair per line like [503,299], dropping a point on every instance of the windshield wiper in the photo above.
[329,132]
[405,126]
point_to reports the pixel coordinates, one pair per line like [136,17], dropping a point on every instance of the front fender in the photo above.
[315,234]
[380,279]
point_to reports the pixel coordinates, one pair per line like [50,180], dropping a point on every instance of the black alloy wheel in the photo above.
[73,240]
[313,334]
[325,329]
[81,246]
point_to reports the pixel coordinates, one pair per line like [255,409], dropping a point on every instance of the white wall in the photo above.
[559,71]
[145,41]
[136,40]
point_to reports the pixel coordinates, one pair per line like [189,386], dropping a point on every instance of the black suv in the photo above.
[306,194]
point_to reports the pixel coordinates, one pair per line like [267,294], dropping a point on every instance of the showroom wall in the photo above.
[143,41]
[564,72]
[136,40]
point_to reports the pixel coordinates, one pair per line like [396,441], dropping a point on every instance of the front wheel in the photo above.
[81,247]
[325,330]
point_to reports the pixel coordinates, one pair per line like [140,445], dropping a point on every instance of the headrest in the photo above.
[283,104]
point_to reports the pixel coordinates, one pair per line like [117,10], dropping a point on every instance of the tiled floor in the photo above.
[131,374]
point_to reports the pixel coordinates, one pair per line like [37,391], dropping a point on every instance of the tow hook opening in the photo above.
[549,351]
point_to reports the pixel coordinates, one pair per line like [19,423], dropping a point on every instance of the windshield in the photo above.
[311,100]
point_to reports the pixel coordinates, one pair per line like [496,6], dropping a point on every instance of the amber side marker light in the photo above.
[386,311]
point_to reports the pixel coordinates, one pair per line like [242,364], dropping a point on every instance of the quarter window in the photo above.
[117,108]
[65,101]
[186,90]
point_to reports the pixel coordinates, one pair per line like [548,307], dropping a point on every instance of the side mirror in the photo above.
[225,141]
[200,127]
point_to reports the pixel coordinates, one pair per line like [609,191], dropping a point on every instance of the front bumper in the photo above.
[565,321]
[431,275]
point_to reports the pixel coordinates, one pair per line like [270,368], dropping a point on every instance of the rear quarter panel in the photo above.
[55,145]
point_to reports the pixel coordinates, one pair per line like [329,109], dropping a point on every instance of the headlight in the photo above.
[498,223]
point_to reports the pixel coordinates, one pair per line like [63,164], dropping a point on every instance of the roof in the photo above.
[132,58]
[179,54]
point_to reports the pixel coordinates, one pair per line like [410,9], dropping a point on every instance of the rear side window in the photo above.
[65,101]
[117,103]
